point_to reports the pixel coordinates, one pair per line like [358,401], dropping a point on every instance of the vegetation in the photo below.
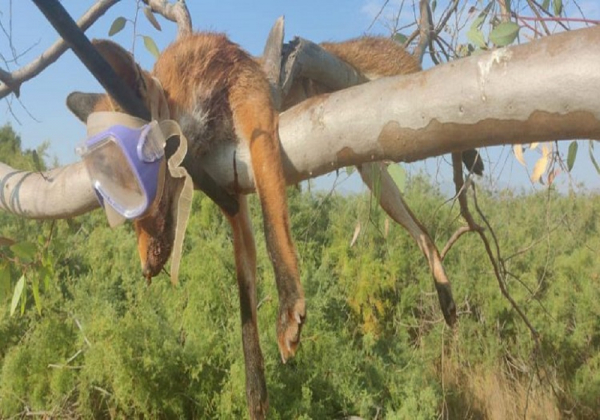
[106,345]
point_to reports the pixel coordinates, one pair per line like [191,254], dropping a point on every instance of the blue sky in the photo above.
[246,22]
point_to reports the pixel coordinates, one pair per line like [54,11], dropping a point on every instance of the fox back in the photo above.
[197,73]
[373,57]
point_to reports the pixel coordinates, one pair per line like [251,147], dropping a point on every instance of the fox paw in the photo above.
[289,325]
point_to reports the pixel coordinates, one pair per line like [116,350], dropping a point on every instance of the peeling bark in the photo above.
[542,91]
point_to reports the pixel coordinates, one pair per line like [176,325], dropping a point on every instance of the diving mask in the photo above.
[126,166]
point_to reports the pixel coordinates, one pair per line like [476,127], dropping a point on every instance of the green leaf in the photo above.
[478,21]
[504,34]
[476,37]
[546,4]
[23,301]
[151,46]
[593,159]
[36,161]
[433,5]
[398,174]
[151,18]
[24,250]
[4,281]
[558,7]
[117,26]
[571,155]
[400,38]
[36,295]
[17,294]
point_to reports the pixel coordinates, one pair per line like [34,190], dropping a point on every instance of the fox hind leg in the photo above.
[256,124]
[245,261]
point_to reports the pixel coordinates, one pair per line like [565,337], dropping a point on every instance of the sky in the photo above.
[41,115]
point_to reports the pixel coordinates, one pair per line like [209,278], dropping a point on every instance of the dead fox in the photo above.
[218,93]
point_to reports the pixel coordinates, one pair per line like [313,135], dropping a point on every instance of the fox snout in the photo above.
[155,236]
[154,251]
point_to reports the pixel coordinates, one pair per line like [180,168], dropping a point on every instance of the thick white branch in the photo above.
[56,194]
[542,91]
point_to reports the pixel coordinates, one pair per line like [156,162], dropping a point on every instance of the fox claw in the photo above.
[289,326]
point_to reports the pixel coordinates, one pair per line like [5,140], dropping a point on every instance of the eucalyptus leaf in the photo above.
[558,7]
[398,174]
[117,26]
[476,37]
[36,295]
[151,46]
[17,294]
[400,38]
[592,158]
[572,155]
[504,34]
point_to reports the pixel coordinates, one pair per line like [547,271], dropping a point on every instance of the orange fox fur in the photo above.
[217,92]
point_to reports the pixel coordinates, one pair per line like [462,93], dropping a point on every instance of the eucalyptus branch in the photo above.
[537,14]
[500,271]
[547,13]
[12,81]
[425,30]
[504,10]
[176,12]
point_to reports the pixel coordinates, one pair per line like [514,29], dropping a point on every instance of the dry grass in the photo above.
[491,392]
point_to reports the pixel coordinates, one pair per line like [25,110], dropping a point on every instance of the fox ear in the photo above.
[83,104]
[123,63]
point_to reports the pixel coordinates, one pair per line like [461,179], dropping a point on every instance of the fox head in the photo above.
[155,229]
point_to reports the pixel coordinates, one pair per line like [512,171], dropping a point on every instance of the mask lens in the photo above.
[151,146]
[112,176]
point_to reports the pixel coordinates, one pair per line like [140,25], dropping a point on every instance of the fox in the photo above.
[219,93]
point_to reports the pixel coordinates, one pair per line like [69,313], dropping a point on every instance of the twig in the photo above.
[461,192]
[377,15]
[455,236]
[565,27]
[82,333]
[499,276]
[497,262]
[558,19]
[540,19]
[263,300]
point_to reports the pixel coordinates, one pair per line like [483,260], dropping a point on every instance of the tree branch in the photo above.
[29,71]
[425,30]
[542,91]
[177,12]
[390,199]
